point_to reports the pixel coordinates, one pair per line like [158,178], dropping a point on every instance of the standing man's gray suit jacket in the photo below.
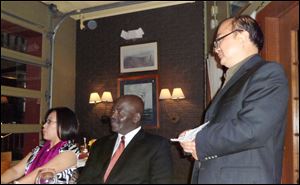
[243,143]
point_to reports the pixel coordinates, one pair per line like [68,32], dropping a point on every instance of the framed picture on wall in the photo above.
[139,57]
[145,87]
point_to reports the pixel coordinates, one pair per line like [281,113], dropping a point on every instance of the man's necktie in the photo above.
[115,157]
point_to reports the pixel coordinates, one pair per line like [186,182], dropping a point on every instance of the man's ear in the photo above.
[137,117]
[244,36]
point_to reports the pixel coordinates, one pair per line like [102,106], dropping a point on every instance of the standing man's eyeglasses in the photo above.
[217,41]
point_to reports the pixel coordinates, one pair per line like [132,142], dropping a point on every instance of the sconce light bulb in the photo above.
[177,93]
[94,98]
[107,97]
[164,94]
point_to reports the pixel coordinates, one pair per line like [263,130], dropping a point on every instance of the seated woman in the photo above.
[59,151]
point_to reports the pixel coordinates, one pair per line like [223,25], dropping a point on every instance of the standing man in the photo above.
[243,141]
[130,156]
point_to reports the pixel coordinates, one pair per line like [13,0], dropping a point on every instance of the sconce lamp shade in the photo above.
[107,97]
[177,94]
[164,94]
[94,98]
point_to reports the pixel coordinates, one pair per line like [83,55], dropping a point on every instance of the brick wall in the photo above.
[179,33]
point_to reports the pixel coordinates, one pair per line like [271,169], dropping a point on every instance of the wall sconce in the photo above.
[106,98]
[177,94]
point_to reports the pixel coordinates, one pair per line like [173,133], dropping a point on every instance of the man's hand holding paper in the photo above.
[189,135]
[187,140]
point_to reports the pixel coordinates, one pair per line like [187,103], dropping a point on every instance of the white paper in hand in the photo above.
[190,134]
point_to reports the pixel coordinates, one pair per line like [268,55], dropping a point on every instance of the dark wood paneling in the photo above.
[278,19]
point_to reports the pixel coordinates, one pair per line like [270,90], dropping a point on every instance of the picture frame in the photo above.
[139,57]
[146,87]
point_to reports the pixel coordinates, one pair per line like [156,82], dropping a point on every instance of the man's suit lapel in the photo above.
[253,61]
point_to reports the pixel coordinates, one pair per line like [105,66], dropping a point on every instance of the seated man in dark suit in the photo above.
[139,158]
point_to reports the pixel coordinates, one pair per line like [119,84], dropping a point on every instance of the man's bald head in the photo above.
[135,101]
